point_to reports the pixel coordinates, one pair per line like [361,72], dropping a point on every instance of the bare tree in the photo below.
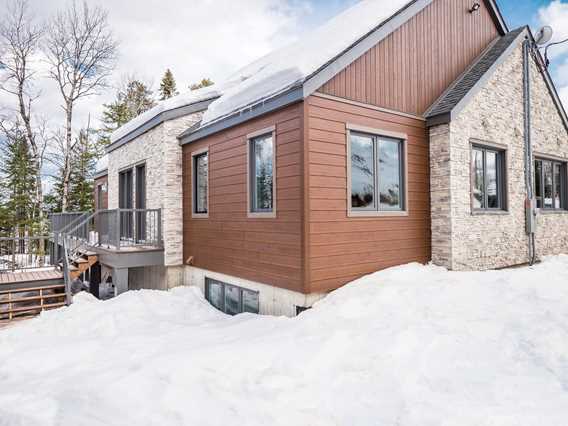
[19,44]
[81,51]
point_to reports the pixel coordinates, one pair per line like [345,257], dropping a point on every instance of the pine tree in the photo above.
[17,180]
[83,168]
[205,82]
[168,86]
[132,100]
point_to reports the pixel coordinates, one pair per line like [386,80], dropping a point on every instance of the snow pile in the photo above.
[413,345]
[181,100]
[286,67]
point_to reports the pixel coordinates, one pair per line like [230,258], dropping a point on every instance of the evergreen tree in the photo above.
[83,167]
[131,100]
[17,180]
[168,86]
[205,82]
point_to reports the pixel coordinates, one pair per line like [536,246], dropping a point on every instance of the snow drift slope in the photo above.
[413,345]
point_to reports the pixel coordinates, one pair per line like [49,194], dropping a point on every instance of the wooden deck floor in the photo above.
[29,276]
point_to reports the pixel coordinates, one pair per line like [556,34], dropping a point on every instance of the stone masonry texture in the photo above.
[159,149]
[466,240]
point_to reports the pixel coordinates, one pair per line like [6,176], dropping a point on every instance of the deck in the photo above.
[29,276]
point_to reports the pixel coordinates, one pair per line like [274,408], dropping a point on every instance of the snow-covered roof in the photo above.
[179,101]
[101,165]
[292,65]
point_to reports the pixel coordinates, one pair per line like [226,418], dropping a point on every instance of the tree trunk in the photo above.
[67,159]
[25,114]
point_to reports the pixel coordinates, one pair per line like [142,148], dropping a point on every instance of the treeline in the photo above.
[80,52]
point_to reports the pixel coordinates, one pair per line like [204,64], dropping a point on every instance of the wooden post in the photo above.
[9,307]
[41,298]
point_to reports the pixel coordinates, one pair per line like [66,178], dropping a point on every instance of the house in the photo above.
[395,133]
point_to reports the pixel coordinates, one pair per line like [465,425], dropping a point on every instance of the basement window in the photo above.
[550,184]
[231,299]
[487,178]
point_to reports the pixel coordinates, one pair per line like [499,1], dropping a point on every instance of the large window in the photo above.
[231,299]
[550,184]
[377,173]
[200,183]
[261,174]
[488,178]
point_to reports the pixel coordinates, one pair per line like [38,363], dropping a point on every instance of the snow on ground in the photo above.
[412,345]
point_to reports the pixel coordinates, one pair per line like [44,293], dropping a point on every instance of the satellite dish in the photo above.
[544,35]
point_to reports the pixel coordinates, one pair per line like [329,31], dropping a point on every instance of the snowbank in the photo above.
[413,345]
[286,67]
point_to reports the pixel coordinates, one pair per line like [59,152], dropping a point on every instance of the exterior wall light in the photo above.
[475,7]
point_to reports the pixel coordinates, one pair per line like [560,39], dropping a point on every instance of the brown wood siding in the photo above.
[412,67]
[264,250]
[343,248]
[103,180]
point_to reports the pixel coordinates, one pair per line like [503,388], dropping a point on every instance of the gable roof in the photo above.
[455,96]
[460,92]
[296,71]
[177,106]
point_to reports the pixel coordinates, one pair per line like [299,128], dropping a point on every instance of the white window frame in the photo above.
[250,137]
[194,213]
[403,138]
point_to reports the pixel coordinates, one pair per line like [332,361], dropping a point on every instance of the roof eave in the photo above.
[159,119]
[282,100]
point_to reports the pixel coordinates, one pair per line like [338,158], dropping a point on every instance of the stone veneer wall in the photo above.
[462,239]
[159,149]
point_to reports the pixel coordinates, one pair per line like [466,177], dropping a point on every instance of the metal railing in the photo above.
[59,222]
[22,253]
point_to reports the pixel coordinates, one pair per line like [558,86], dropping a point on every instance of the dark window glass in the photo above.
[557,194]
[250,301]
[376,173]
[232,300]
[547,174]
[538,183]
[262,152]
[478,191]
[201,182]
[390,175]
[491,180]
[549,184]
[362,172]
[488,171]
[214,294]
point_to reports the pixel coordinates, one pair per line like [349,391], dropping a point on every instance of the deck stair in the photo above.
[80,262]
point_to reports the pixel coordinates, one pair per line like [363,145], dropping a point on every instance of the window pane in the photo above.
[362,172]
[557,185]
[389,175]
[250,302]
[201,173]
[477,170]
[215,294]
[232,300]
[263,173]
[491,180]
[547,168]
[538,183]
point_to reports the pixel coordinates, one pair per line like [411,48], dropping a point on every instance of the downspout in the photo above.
[530,208]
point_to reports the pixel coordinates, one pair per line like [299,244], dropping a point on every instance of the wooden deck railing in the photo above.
[30,301]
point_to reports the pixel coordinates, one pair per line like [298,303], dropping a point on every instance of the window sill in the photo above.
[552,212]
[253,215]
[200,215]
[352,213]
[490,213]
